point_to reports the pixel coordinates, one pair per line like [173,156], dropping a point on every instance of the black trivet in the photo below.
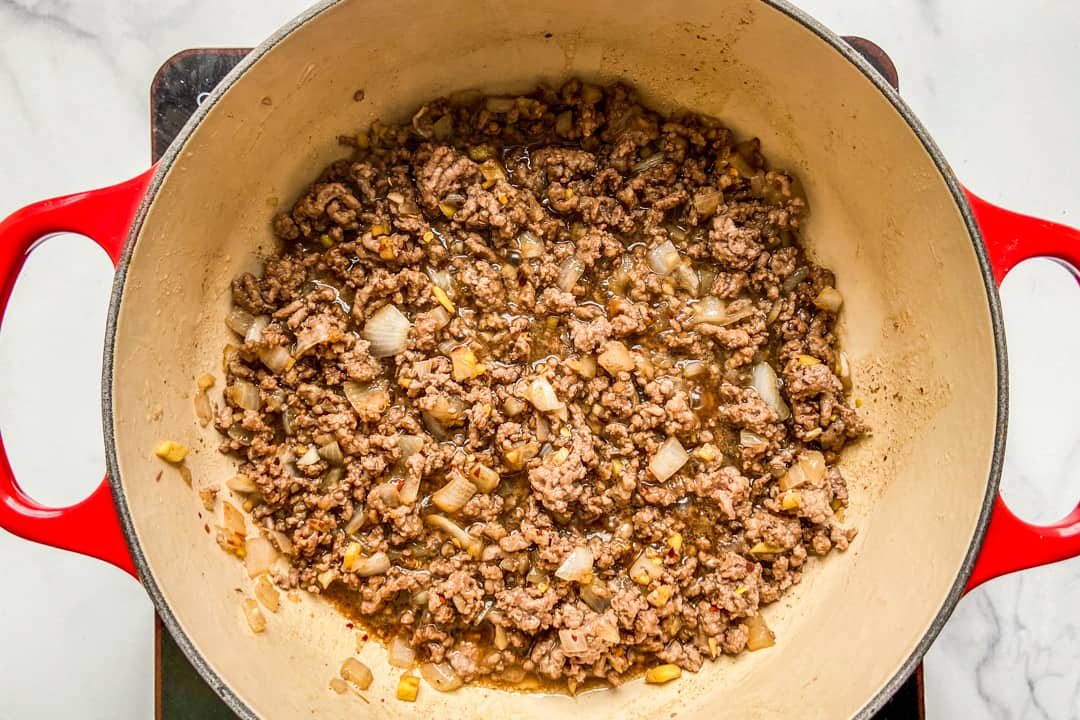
[178,88]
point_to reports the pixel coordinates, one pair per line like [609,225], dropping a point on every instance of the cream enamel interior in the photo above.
[916,324]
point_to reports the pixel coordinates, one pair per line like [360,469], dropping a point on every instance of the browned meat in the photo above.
[578,282]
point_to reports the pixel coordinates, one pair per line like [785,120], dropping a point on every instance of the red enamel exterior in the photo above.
[1012,544]
[92,526]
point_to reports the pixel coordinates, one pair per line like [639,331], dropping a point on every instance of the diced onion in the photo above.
[232,519]
[239,321]
[441,279]
[760,635]
[387,331]
[592,597]
[332,477]
[687,278]
[261,554]
[663,258]
[267,594]
[577,567]
[501,640]
[400,654]
[513,407]
[808,470]
[441,676]
[331,453]
[443,127]
[767,386]
[537,577]
[669,458]
[453,496]
[434,427]
[357,673]
[616,358]
[585,366]
[606,629]
[203,409]
[543,429]
[356,521]
[542,395]
[484,478]
[470,544]
[694,368]
[244,394]
[649,162]
[388,493]
[706,280]
[240,434]
[529,245]
[795,278]
[318,333]
[376,564]
[255,329]
[750,439]
[410,490]
[441,316]
[448,410]
[409,445]
[284,544]
[255,619]
[241,484]
[829,299]
[706,201]
[276,358]
[309,458]
[570,271]
[366,398]
[843,366]
[287,416]
[710,309]
[573,642]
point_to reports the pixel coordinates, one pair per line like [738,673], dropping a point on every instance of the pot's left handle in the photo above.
[1012,544]
[92,526]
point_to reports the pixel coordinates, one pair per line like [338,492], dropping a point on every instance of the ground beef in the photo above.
[584,284]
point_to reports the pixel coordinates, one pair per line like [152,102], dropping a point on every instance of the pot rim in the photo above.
[168,618]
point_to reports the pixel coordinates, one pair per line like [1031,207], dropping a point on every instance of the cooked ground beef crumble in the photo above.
[545,387]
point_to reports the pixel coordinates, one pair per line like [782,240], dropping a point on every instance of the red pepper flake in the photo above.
[349,625]
[365,637]
[671,553]
[400,484]
[714,608]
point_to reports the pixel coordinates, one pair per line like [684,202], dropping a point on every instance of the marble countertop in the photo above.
[995,83]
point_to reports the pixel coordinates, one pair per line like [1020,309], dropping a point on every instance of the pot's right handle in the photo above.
[1012,544]
[92,526]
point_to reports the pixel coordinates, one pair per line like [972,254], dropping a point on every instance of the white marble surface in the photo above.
[994,82]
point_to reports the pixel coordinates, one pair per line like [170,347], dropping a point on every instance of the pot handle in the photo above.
[91,527]
[1012,544]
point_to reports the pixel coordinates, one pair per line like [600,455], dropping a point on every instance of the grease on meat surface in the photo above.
[544,389]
